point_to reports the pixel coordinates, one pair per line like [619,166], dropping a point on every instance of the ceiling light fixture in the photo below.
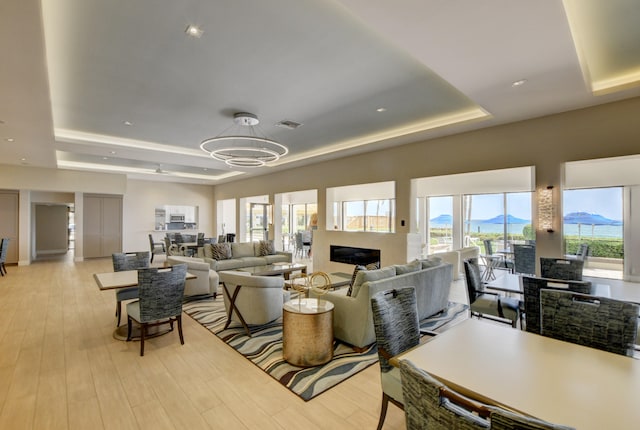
[381,109]
[519,83]
[194,31]
[10,139]
[239,149]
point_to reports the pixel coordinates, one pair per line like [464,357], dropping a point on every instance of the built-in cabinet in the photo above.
[102,225]
[9,215]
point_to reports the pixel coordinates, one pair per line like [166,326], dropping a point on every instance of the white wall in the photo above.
[141,199]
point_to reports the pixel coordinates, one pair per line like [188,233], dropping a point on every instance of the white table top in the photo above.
[511,283]
[123,279]
[556,381]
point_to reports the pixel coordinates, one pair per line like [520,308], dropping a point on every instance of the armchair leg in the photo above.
[383,410]
[179,319]
[129,324]
[143,330]
[118,312]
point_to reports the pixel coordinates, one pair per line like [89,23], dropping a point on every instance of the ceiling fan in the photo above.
[159,170]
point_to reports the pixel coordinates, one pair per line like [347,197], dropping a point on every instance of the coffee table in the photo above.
[338,279]
[275,269]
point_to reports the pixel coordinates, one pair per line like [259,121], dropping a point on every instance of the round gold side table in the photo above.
[307,332]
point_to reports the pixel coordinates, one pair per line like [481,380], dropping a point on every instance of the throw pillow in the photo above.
[353,277]
[414,266]
[266,247]
[373,266]
[221,251]
[431,262]
[208,251]
[371,275]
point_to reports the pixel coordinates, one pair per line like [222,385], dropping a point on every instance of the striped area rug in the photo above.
[264,349]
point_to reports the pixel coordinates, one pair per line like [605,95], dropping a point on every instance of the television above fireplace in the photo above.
[352,255]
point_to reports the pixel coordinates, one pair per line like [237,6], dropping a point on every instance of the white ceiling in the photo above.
[438,67]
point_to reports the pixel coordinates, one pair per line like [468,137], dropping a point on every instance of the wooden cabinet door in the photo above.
[102,225]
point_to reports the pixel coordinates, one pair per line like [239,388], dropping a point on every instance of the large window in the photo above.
[594,217]
[365,207]
[369,215]
[440,226]
[502,218]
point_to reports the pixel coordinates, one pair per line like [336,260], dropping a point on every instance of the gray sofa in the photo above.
[352,317]
[243,254]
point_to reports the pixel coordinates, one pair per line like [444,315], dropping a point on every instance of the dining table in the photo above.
[549,379]
[512,283]
[125,279]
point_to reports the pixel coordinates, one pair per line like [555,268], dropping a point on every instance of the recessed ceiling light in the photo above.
[112,152]
[23,159]
[10,139]
[127,123]
[381,109]
[105,158]
[194,31]
[205,169]
[519,83]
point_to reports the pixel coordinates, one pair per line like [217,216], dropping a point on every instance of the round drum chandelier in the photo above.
[249,149]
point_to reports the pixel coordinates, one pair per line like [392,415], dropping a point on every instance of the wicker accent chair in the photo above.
[568,269]
[502,419]
[596,322]
[155,247]
[160,300]
[532,285]
[4,246]
[484,303]
[395,320]
[128,261]
[524,259]
[429,404]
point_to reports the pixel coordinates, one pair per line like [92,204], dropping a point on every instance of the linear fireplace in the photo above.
[351,255]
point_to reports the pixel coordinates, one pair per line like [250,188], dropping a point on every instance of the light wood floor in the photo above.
[60,368]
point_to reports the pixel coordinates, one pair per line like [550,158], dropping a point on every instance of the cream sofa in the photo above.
[243,254]
[456,258]
[352,317]
[206,281]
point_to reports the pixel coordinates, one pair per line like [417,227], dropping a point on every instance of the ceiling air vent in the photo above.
[291,125]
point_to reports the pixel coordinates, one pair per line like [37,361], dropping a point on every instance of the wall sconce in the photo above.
[545,209]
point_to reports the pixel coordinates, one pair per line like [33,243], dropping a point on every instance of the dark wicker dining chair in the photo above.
[128,261]
[395,320]
[4,246]
[160,299]
[596,322]
[429,404]
[531,286]
[568,269]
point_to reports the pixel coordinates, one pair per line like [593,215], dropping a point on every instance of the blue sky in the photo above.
[604,201]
